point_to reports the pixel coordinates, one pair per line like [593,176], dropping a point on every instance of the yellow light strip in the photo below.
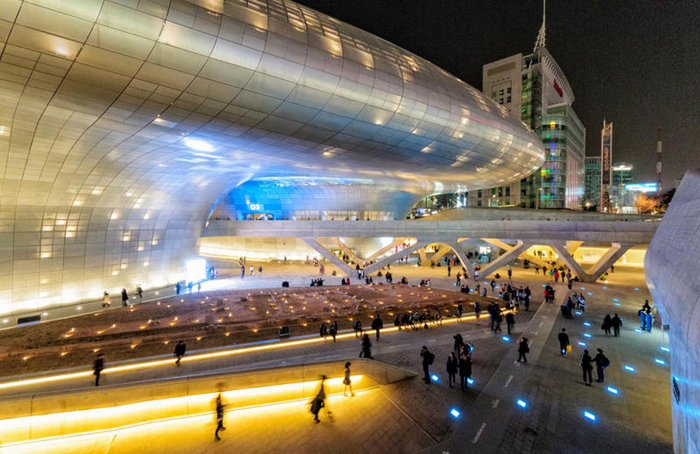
[203,356]
[33,444]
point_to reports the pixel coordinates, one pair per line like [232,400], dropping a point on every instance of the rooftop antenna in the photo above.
[541,36]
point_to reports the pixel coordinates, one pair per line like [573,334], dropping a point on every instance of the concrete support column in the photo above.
[386,249]
[616,251]
[444,249]
[328,255]
[423,257]
[348,251]
[466,263]
[394,257]
[594,272]
[508,256]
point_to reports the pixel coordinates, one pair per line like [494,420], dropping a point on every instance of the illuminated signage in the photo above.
[255,206]
[558,88]
[641,187]
[606,157]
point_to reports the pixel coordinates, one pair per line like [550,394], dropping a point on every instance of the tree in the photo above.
[646,204]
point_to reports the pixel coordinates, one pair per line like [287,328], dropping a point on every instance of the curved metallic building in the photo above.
[124,123]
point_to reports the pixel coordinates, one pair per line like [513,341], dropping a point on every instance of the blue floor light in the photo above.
[470,381]
[605,287]
[638,330]
[579,313]
[664,349]
[636,289]
[589,293]
[613,390]
[587,324]
[435,378]
[521,403]
[616,299]
[454,412]
[587,335]
[629,368]
[618,304]
[583,288]
[588,415]
[582,344]
[660,361]
[505,339]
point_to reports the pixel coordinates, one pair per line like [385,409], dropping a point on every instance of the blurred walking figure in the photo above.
[139,292]
[97,367]
[616,324]
[334,329]
[125,298]
[465,370]
[510,321]
[106,301]
[366,347]
[346,381]
[607,324]
[357,327]
[180,350]
[563,342]
[319,402]
[219,417]
[377,325]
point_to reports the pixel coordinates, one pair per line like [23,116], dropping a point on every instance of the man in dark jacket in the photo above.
[180,350]
[510,321]
[563,341]
[601,362]
[427,359]
[377,324]
[586,367]
[616,324]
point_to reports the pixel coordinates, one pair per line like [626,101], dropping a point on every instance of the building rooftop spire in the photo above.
[541,36]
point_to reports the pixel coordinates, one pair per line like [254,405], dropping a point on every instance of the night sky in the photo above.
[634,62]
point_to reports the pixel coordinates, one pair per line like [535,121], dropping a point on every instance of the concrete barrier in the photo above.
[110,407]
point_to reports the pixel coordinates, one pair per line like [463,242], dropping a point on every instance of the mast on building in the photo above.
[606,143]
[659,188]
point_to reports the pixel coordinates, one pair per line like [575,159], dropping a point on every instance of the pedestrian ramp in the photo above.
[34,421]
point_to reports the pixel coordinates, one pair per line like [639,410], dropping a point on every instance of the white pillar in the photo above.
[328,255]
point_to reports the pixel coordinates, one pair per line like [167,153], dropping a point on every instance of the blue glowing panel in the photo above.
[521,403]
[579,312]
[505,339]
[664,349]
[616,299]
[613,390]
[618,304]
[587,335]
[629,368]
[583,288]
[470,381]
[660,361]
[435,377]
[454,412]
[637,330]
[589,415]
[636,289]
[587,324]
[582,344]
[605,287]
[589,293]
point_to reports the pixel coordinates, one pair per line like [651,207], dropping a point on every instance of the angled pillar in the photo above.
[572,246]
[616,251]
[394,257]
[328,255]
[423,257]
[568,259]
[466,263]
[444,249]
[594,272]
[508,256]
[348,251]
[386,249]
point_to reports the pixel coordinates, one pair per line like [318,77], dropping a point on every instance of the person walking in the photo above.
[180,350]
[346,381]
[523,349]
[125,298]
[357,326]
[459,341]
[377,325]
[465,370]
[601,362]
[563,342]
[318,402]
[323,331]
[587,368]
[334,329]
[139,293]
[427,358]
[498,318]
[97,367]
[452,368]
[607,324]
[366,347]
[616,324]
[106,301]
[510,274]
[459,311]
[219,417]
[510,321]
[242,271]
